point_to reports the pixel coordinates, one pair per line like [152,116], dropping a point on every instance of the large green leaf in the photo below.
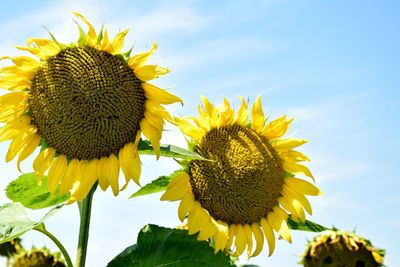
[14,221]
[156,185]
[170,151]
[159,246]
[25,189]
[308,226]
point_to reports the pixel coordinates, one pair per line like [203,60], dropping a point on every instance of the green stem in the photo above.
[85,208]
[64,252]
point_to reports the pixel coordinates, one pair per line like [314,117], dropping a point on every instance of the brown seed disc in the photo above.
[244,178]
[86,103]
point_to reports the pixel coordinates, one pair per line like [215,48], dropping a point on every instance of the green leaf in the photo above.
[156,185]
[308,226]
[159,246]
[25,189]
[170,151]
[14,221]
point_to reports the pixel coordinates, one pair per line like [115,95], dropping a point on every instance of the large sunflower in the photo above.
[248,185]
[86,104]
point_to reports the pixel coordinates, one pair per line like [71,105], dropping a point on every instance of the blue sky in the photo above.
[332,65]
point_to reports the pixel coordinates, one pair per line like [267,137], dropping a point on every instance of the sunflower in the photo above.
[247,184]
[86,104]
[342,248]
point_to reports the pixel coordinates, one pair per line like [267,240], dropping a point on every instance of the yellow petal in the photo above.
[249,238]
[156,121]
[226,114]
[71,175]
[112,173]
[152,134]
[277,128]
[159,95]
[130,163]
[179,178]
[86,182]
[156,108]
[257,115]
[140,58]
[177,191]
[150,72]
[43,161]
[287,204]
[240,240]
[14,98]
[243,116]
[80,182]
[209,114]
[105,41]
[189,129]
[91,35]
[14,127]
[198,217]
[31,145]
[118,42]
[56,172]
[208,230]
[277,219]
[293,156]
[297,169]
[19,142]
[232,231]
[185,206]
[290,193]
[259,237]
[24,61]
[8,114]
[103,178]
[15,83]
[221,236]
[288,143]
[48,48]
[302,186]
[269,235]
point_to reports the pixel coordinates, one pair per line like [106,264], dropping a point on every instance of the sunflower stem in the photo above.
[85,208]
[62,249]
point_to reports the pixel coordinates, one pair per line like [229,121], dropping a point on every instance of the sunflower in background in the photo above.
[342,248]
[247,184]
[86,104]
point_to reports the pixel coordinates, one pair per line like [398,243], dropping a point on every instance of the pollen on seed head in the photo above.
[244,178]
[86,103]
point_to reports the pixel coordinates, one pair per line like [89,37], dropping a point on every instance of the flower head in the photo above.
[86,104]
[247,185]
[341,248]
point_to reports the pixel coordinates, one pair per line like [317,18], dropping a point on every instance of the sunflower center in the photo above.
[86,103]
[244,178]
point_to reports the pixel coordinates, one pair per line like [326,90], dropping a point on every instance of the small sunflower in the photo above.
[86,104]
[341,248]
[247,186]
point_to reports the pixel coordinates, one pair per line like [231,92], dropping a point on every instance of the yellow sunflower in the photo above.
[86,104]
[247,186]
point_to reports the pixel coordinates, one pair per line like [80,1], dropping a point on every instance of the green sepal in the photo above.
[100,35]
[14,221]
[26,190]
[62,46]
[82,40]
[43,145]
[157,185]
[127,54]
[171,151]
[159,246]
[307,226]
